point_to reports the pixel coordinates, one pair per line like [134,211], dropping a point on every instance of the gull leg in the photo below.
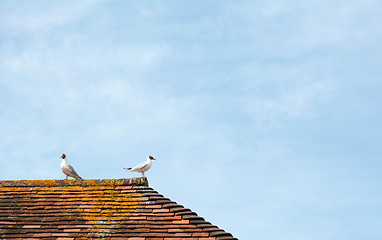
[66,177]
[143,174]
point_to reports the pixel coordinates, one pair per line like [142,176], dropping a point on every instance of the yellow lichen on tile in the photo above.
[104,205]
[119,183]
[97,201]
[33,182]
[49,183]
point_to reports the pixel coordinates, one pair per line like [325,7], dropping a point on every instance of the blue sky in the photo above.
[264,116]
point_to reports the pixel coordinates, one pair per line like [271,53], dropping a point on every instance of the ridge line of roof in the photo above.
[141,181]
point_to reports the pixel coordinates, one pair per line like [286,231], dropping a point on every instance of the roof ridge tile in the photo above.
[140,183]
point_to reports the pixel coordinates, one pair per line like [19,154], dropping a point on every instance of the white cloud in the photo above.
[197,91]
[36,16]
[300,101]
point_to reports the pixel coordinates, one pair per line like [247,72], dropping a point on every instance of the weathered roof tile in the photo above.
[104,208]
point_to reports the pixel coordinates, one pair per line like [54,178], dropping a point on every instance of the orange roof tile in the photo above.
[110,208]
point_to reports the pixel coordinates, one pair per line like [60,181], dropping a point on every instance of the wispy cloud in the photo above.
[246,97]
[300,100]
[31,17]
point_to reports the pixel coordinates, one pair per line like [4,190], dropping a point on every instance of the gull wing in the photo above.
[139,166]
[72,171]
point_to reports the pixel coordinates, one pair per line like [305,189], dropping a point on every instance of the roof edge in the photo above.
[142,181]
[186,214]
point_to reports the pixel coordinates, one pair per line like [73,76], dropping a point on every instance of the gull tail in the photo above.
[129,168]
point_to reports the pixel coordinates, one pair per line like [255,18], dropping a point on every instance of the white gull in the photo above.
[67,169]
[142,167]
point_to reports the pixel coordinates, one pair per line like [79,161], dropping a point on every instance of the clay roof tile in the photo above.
[102,208]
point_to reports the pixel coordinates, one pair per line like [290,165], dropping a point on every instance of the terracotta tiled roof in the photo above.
[108,209]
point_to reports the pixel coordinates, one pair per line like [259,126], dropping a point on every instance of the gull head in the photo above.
[63,156]
[151,158]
